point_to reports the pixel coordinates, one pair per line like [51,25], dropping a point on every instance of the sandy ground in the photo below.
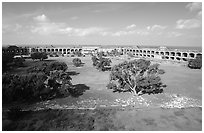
[146,112]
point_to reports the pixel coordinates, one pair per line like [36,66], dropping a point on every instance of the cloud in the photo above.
[195,6]
[156,27]
[74,18]
[16,28]
[41,18]
[132,26]
[188,23]
[174,34]
[199,15]
[45,27]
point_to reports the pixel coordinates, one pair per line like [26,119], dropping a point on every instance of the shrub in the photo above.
[19,61]
[47,67]
[78,53]
[195,63]
[39,55]
[17,88]
[7,58]
[137,76]
[101,63]
[77,62]
[35,87]
[94,60]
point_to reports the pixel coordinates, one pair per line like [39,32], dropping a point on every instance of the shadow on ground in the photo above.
[73,73]
[78,90]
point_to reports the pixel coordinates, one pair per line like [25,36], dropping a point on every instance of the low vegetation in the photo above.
[43,82]
[101,63]
[39,56]
[195,63]
[9,61]
[77,62]
[137,76]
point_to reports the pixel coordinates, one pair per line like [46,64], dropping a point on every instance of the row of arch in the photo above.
[162,53]
[60,50]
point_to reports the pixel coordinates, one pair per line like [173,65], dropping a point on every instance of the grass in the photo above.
[180,80]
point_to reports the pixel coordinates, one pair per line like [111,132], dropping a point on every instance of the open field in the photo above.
[184,90]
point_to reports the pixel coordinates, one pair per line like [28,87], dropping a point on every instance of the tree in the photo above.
[137,76]
[78,53]
[101,63]
[195,63]
[77,62]
[94,60]
[39,55]
[7,58]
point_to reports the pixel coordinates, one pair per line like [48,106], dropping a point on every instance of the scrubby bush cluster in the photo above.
[39,56]
[77,62]
[47,67]
[46,82]
[137,76]
[195,63]
[101,63]
[8,61]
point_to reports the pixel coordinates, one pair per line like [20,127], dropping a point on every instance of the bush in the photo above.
[55,66]
[46,68]
[17,88]
[195,63]
[7,58]
[39,55]
[35,87]
[77,62]
[94,60]
[101,63]
[19,61]
[137,76]
[78,53]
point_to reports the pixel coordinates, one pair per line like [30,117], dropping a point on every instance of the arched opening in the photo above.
[172,53]
[192,55]
[60,49]
[137,51]
[53,50]
[144,51]
[172,58]
[184,59]
[167,53]
[185,54]
[157,53]
[148,55]
[152,52]
[152,56]
[178,59]
[198,55]
[140,51]
[162,53]
[148,52]
[178,54]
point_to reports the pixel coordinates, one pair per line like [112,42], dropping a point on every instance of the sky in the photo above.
[125,23]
